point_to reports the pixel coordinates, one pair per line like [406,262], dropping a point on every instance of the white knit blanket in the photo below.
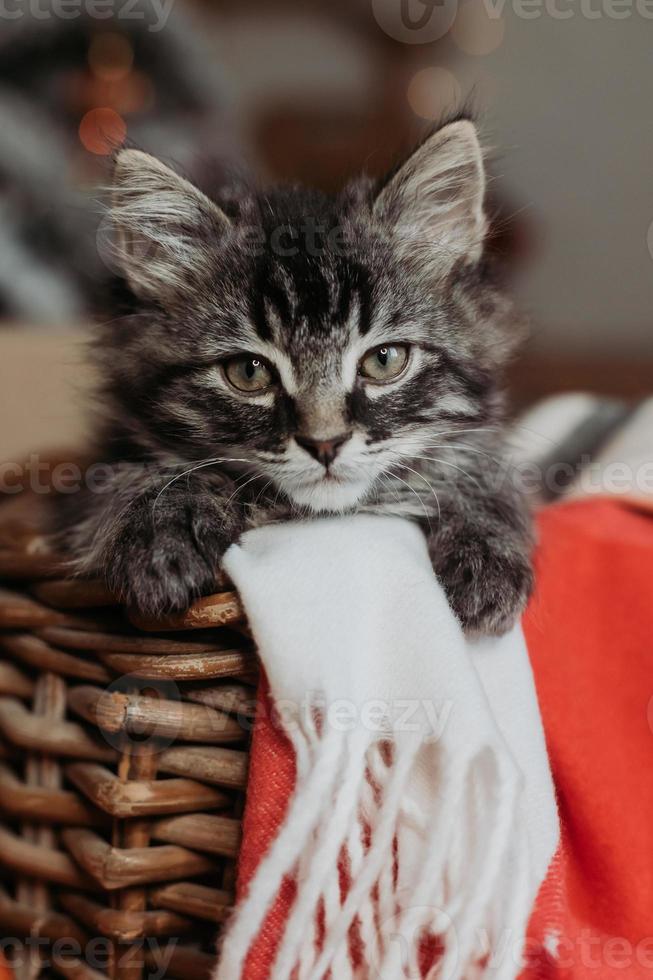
[421,764]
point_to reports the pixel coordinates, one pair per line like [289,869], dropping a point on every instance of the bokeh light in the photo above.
[475,31]
[433,91]
[102,131]
[133,93]
[110,56]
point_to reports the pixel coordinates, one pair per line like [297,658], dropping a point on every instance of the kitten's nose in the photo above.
[323,450]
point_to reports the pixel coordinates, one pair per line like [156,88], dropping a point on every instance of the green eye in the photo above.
[384,363]
[248,373]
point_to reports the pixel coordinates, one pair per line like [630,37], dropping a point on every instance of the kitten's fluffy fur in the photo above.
[308,284]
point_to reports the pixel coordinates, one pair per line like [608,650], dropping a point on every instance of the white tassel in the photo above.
[331,833]
[310,800]
[380,851]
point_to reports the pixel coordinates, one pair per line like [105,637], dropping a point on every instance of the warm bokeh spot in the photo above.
[102,131]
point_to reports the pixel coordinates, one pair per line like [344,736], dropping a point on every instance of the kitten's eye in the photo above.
[248,373]
[384,363]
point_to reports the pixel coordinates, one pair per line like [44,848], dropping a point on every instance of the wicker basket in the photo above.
[123,761]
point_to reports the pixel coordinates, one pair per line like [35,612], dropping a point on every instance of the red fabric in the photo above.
[589,635]
[270,784]
[588,630]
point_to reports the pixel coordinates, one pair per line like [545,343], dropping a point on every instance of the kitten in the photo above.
[293,354]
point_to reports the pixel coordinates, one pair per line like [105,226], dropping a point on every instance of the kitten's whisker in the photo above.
[239,488]
[258,496]
[276,498]
[388,483]
[187,472]
[461,430]
[492,461]
[504,431]
[417,473]
[445,462]
[380,494]
[192,469]
[412,490]
[462,447]
[500,462]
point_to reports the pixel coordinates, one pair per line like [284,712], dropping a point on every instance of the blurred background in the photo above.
[317,90]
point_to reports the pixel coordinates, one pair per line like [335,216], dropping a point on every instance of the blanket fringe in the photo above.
[350,809]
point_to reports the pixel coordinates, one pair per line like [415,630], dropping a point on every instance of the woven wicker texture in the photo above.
[123,762]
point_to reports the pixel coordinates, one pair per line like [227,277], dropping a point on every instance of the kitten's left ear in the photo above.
[165,227]
[436,199]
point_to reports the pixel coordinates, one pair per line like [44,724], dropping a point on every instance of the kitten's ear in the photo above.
[434,202]
[163,227]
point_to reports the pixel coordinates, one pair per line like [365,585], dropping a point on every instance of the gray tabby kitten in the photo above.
[290,355]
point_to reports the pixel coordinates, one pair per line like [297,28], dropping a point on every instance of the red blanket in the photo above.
[589,634]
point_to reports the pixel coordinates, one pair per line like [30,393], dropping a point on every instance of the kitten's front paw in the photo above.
[487,587]
[161,566]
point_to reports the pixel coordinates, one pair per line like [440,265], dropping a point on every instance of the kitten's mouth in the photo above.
[327,477]
[328,493]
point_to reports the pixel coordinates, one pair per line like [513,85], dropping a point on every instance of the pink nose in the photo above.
[323,450]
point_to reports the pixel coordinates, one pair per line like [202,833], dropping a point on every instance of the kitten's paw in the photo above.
[161,567]
[162,576]
[487,588]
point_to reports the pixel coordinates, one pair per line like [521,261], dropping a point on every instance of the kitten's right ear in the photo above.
[434,203]
[163,227]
